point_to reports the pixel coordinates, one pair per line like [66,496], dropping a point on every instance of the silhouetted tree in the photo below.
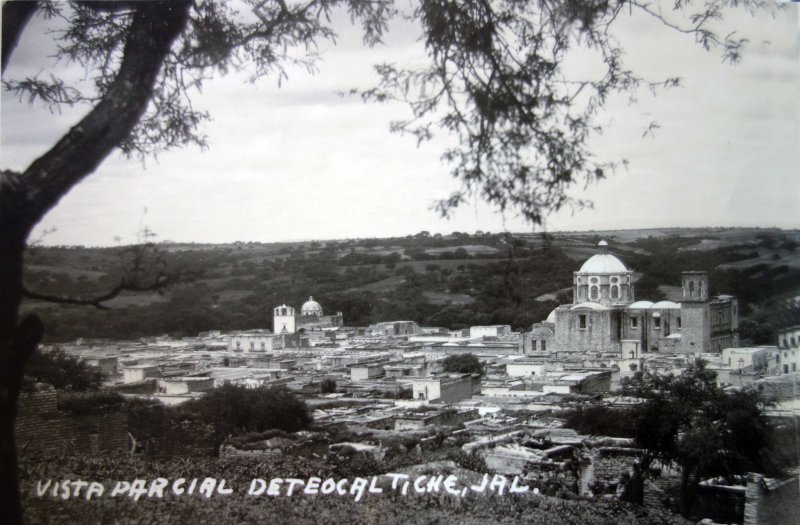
[63,372]
[234,409]
[462,364]
[689,422]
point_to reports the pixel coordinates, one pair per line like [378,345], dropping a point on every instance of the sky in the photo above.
[299,162]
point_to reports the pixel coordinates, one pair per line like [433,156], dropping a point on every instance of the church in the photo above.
[312,317]
[606,317]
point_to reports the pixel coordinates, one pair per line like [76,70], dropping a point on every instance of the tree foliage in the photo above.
[232,409]
[688,421]
[63,372]
[462,364]
[328,386]
[499,80]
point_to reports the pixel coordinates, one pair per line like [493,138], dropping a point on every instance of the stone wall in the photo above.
[602,469]
[771,502]
[42,426]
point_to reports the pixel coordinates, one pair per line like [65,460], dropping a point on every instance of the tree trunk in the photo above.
[688,488]
[26,197]
[17,343]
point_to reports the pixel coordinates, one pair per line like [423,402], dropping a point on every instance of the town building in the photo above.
[312,317]
[447,389]
[606,317]
[788,357]
[265,341]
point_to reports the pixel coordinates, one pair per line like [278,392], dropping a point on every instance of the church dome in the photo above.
[311,307]
[603,262]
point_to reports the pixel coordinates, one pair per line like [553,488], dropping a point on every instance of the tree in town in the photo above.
[462,364]
[496,79]
[63,372]
[327,386]
[232,409]
[689,422]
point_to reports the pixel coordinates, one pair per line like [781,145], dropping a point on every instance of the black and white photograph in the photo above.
[400,262]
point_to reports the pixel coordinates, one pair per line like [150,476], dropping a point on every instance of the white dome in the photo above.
[640,305]
[552,317]
[603,263]
[666,305]
[311,307]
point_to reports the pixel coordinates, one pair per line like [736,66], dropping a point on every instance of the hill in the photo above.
[453,281]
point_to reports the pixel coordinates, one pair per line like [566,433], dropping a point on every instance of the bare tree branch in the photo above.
[15,17]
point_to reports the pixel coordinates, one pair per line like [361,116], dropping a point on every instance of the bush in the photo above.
[601,421]
[462,364]
[234,409]
[82,403]
[62,371]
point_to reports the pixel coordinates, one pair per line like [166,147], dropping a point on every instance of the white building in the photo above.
[788,359]
[444,389]
[525,368]
[497,330]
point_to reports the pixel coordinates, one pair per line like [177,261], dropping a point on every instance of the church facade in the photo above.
[312,317]
[605,316]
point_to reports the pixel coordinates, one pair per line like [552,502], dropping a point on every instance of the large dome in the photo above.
[603,262]
[311,307]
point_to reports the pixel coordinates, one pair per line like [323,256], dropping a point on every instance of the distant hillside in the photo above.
[452,280]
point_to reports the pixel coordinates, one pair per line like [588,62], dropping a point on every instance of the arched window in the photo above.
[615,292]
[594,292]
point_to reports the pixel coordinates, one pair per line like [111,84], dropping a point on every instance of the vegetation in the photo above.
[462,364]
[328,386]
[81,403]
[689,422]
[496,79]
[232,409]
[238,472]
[601,420]
[62,372]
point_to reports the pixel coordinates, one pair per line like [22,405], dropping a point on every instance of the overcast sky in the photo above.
[300,162]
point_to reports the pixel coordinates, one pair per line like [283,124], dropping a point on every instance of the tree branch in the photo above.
[15,17]
[154,27]
[161,281]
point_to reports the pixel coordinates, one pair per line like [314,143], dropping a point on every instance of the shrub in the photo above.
[82,403]
[601,421]
[62,371]
[234,409]
[462,364]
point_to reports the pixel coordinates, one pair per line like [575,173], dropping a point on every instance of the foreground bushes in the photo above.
[238,507]
[600,420]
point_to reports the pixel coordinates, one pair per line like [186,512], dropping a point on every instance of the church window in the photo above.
[615,292]
[594,292]
[582,321]
[238,345]
[252,345]
[678,319]
[263,346]
[657,323]
[634,322]
[691,288]
[544,345]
